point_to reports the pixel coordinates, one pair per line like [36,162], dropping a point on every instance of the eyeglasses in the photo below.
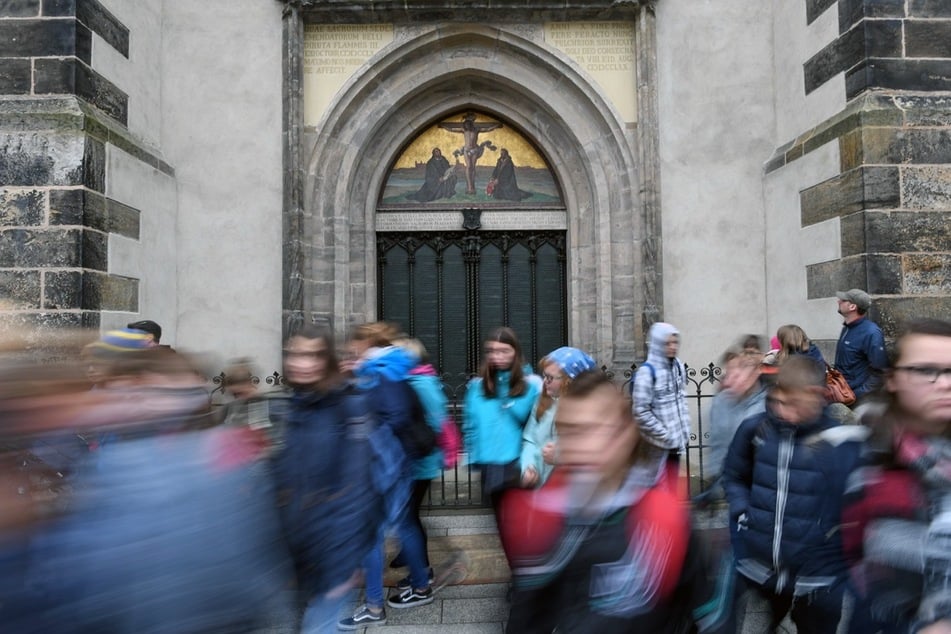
[924,373]
[548,378]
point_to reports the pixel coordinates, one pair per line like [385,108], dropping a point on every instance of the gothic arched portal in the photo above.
[470,235]
[430,75]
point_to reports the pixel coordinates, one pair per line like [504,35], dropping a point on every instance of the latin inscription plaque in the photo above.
[606,51]
[332,54]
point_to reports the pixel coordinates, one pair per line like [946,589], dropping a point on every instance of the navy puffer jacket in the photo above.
[784,484]
[330,508]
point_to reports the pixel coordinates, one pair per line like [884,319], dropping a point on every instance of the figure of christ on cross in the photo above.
[472,150]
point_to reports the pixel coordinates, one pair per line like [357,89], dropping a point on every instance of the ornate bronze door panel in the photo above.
[450,288]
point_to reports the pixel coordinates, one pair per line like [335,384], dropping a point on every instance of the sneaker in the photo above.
[411,598]
[404,583]
[363,618]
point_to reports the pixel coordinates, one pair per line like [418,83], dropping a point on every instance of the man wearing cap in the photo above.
[860,354]
[149,327]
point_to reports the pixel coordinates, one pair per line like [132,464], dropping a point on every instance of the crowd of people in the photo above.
[128,503]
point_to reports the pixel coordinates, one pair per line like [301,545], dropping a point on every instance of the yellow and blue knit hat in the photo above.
[124,340]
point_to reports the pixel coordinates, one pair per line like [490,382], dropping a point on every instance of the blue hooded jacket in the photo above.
[324,478]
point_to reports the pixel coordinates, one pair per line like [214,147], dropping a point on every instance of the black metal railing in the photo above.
[460,486]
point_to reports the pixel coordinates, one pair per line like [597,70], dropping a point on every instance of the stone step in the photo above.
[483,552]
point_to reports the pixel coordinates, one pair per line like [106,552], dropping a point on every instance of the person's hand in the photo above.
[549,453]
[940,627]
[529,477]
[347,365]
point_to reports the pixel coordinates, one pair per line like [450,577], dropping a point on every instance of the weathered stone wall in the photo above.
[887,198]
[60,121]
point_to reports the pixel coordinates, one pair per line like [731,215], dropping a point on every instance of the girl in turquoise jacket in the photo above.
[558,368]
[498,403]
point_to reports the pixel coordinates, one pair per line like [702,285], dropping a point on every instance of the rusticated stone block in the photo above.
[925,110]
[851,11]
[19,8]
[883,274]
[22,207]
[90,209]
[891,312]
[928,38]
[26,248]
[95,250]
[826,278]
[926,75]
[904,232]
[99,19]
[928,274]
[815,8]
[926,188]
[59,7]
[94,165]
[30,159]
[90,290]
[892,146]
[123,219]
[37,38]
[929,9]
[63,290]
[109,292]
[852,233]
[66,206]
[866,38]
[19,290]
[861,188]
[877,273]
[15,76]
[69,75]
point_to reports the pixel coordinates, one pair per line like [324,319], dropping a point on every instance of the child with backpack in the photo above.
[603,546]
[381,369]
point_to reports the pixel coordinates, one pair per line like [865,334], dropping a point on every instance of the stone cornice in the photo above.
[397,11]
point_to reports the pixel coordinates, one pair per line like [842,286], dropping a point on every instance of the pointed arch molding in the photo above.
[330,256]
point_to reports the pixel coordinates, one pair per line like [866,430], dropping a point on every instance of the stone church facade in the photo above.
[165,160]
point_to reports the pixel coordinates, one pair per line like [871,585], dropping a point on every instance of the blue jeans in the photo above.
[414,553]
[323,613]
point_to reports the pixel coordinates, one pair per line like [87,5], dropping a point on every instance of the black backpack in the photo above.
[417,437]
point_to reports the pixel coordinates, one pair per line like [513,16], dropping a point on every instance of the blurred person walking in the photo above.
[897,519]
[784,475]
[170,527]
[539,438]
[602,546]
[741,396]
[425,383]
[381,370]
[324,474]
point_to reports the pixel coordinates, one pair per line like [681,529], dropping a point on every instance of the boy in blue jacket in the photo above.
[784,477]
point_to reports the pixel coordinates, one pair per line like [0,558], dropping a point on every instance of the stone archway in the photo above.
[330,244]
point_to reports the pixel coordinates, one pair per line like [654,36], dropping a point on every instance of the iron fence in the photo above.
[460,487]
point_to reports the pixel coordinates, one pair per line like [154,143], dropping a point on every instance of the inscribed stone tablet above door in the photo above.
[470,159]
[332,54]
[606,51]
